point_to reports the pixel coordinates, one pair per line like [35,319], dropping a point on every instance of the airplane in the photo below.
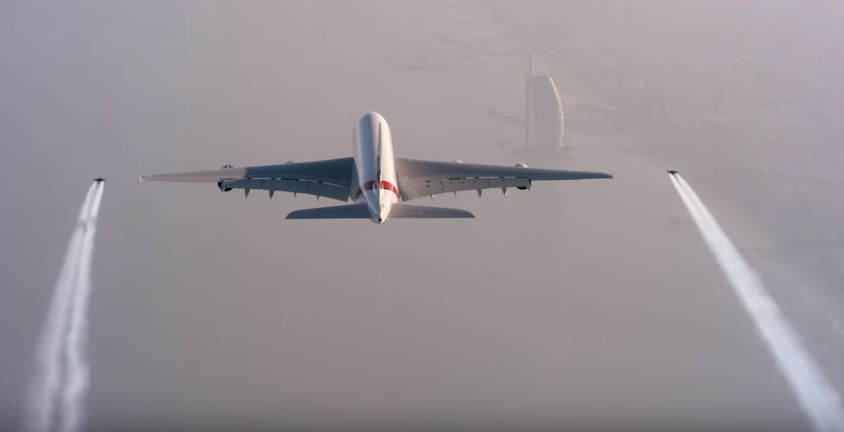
[99,179]
[672,172]
[377,182]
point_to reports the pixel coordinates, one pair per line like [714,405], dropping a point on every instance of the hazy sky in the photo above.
[570,303]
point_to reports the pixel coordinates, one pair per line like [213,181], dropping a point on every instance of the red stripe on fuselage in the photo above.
[371,184]
[389,186]
[366,186]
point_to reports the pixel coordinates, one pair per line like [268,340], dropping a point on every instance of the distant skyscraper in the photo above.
[544,110]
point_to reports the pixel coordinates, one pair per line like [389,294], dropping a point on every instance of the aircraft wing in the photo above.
[419,178]
[328,178]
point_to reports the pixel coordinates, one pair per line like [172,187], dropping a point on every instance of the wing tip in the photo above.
[461,214]
[295,214]
[464,214]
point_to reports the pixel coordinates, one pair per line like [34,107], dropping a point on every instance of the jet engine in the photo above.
[521,165]
[220,182]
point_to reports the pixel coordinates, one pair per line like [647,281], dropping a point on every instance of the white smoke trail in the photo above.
[73,403]
[816,396]
[47,382]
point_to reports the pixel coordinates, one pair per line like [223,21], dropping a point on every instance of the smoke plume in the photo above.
[56,399]
[817,397]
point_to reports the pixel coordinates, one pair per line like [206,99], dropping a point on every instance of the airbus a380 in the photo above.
[376,181]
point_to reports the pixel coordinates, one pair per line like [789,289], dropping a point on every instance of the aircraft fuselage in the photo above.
[374,178]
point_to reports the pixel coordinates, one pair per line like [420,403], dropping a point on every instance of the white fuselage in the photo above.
[374,177]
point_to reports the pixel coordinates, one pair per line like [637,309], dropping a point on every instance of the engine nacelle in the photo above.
[220,182]
[522,165]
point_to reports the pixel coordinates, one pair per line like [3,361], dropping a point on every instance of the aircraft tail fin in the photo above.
[348,211]
[411,211]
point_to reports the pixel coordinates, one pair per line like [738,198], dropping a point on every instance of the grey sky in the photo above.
[574,301]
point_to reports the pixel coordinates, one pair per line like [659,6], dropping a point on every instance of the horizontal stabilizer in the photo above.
[350,211]
[410,211]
